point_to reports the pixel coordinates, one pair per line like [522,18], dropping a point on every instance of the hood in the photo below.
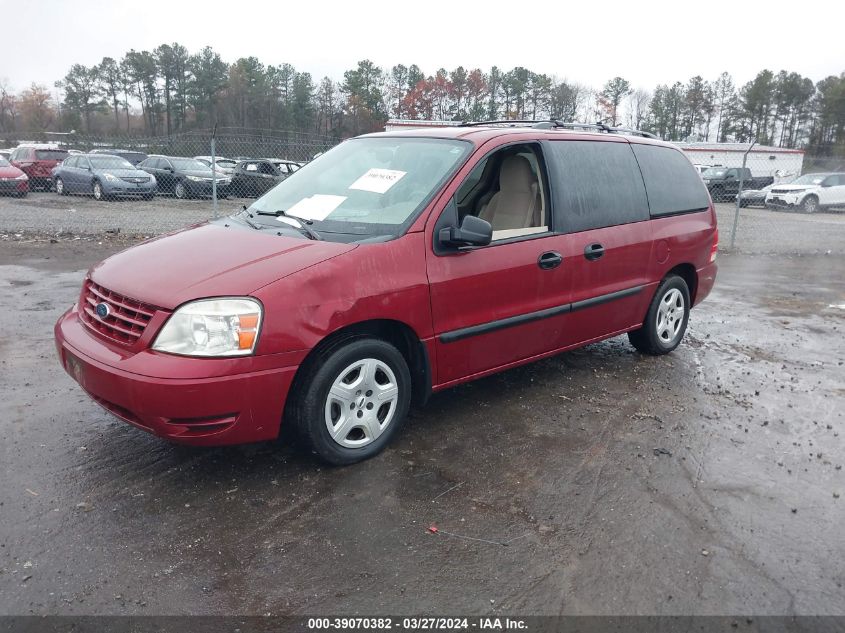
[10,172]
[207,261]
[123,173]
[794,187]
[198,173]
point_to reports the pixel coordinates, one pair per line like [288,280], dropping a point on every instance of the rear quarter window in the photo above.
[672,183]
[50,154]
[596,184]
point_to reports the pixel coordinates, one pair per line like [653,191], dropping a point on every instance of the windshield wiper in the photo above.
[247,217]
[303,223]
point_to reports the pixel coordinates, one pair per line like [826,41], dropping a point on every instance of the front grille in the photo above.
[135,179]
[125,320]
[780,190]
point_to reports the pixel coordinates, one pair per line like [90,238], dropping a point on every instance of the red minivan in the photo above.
[394,265]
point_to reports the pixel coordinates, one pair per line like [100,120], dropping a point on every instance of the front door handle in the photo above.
[549,260]
[593,251]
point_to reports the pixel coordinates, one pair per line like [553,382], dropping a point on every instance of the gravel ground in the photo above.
[759,231]
[708,481]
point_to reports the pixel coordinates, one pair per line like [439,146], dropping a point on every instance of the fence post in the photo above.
[214,171]
[739,193]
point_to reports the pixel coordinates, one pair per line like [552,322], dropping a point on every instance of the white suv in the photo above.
[809,193]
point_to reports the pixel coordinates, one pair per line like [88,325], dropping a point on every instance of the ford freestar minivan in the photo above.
[392,266]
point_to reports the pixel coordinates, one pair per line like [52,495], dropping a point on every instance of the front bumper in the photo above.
[179,398]
[14,186]
[124,188]
[204,188]
[785,200]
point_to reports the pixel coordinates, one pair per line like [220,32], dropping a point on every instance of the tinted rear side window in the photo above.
[596,184]
[672,183]
[50,154]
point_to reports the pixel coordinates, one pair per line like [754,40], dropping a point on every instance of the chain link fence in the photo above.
[772,199]
[189,187]
[768,199]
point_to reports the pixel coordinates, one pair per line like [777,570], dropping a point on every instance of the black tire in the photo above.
[60,187]
[648,339]
[810,204]
[308,400]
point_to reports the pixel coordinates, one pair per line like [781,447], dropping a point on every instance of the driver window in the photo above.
[508,189]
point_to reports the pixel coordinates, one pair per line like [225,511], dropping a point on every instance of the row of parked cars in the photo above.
[111,173]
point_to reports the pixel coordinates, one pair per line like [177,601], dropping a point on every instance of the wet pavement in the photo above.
[597,482]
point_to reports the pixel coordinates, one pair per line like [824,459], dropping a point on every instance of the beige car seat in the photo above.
[518,203]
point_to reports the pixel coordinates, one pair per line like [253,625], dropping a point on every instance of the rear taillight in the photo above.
[714,248]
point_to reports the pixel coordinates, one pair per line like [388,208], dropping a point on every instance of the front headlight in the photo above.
[111,177]
[195,178]
[212,327]
[22,177]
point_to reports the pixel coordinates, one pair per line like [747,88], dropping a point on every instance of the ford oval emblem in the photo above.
[103,310]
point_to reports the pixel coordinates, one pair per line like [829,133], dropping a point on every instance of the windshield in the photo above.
[50,154]
[226,163]
[109,162]
[713,173]
[809,179]
[366,185]
[188,164]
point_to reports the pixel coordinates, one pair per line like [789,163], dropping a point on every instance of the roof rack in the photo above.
[554,124]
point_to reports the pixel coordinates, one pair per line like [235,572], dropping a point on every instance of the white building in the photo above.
[763,160]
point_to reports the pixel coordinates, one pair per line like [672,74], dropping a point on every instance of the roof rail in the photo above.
[504,122]
[553,124]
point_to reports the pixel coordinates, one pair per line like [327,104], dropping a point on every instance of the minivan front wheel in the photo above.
[98,191]
[666,319]
[352,400]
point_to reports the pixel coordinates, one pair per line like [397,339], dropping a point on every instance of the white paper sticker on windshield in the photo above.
[378,180]
[317,207]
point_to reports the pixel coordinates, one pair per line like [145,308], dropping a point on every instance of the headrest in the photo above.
[515,175]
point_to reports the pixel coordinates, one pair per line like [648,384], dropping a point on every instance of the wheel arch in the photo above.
[688,273]
[399,334]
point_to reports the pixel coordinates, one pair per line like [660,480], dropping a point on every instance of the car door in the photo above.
[83,175]
[602,203]
[832,190]
[496,305]
[67,172]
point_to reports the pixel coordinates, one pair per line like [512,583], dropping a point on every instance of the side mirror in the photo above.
[473,232]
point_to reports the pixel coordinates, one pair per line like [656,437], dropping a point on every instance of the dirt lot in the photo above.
[759,231]
[597,482]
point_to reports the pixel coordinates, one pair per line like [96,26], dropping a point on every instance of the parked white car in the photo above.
[809,193]
[223,165]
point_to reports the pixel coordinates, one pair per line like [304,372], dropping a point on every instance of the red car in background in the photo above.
[37,162]
[12,180]
[395,265]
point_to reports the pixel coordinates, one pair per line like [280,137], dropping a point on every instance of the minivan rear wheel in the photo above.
[666,320]
[351,400]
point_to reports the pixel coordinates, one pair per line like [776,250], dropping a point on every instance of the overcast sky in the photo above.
[645,42]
